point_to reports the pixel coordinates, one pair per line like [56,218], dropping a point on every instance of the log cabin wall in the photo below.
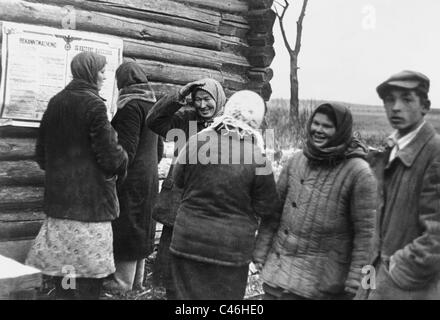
[176,41]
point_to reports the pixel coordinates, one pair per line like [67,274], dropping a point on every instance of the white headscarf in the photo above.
[243,114]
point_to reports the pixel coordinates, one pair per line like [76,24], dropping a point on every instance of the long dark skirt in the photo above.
[162,266]
[196,280]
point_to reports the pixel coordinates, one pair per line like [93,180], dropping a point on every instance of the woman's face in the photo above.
[204,103]
[322,129]
[101,77]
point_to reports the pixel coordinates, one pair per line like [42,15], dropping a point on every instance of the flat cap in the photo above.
[405,79]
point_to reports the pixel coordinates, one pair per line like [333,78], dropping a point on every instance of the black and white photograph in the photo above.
[219,155]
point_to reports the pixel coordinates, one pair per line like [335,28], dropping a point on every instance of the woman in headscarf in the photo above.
[228,195]
[171,114]
[328,193]
[133,231]
[78,149]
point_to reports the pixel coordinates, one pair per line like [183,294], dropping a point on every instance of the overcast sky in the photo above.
[350,46]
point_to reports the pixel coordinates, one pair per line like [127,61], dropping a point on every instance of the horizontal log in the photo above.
[21,173]
[233,25]
[36,13]
[161,89]
[260,39]
[261,56]
[167,12]
[177,74]
[234,6]
[178,54]
[260,74]
[30,215]
[234,45]
[19,230]
[229,28]
[17,132]
[17,250]
[261,20]
[21,198]
[20,225]
[12,149]
[238,18]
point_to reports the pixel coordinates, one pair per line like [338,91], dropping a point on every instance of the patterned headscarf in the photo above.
[215,89]
[133,84]
[342,145]
[86,65]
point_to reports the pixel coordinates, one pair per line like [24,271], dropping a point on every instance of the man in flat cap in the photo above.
[407,259]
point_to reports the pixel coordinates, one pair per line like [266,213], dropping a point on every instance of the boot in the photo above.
[123,278]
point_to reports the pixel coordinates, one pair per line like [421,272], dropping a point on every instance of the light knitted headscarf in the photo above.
[243,114]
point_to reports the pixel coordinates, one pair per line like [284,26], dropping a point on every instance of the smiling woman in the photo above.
[323,126]
[204,104]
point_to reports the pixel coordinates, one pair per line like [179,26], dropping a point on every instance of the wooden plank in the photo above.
[234,45]
[178,54]
[16,149]
[167,12]
[19,216]
[19,230]
[17,132]
[16,277]
[260,4]
[17,250]
[261,56]
[36,13]
[260,74]
[21,198]
[21,173]
[176,74]
[260,39]
[261,20]
[238,18]
[233,6]
[235,29]
[234,25]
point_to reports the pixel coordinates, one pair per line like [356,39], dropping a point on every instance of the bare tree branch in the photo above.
[283,31]
[294,99]
[299,28]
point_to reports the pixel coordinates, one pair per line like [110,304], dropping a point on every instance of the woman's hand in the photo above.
[189,87]
[255,267]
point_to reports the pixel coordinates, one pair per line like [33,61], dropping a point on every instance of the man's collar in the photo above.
[408,154]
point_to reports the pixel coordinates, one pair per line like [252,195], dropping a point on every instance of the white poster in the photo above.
[36,66]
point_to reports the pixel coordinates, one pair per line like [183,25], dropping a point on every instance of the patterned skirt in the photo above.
[73,248]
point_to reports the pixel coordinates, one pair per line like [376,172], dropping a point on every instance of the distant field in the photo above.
[370,122]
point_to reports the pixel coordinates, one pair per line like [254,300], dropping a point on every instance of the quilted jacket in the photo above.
[326,229]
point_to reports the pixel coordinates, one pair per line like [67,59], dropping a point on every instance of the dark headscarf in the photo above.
[215,89]
[86,65]
[133,84]
[342,145]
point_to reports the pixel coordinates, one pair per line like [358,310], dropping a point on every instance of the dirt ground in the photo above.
[253,291]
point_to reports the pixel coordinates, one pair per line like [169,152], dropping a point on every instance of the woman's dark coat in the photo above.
[164,117]
[133,231]
[78,149]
